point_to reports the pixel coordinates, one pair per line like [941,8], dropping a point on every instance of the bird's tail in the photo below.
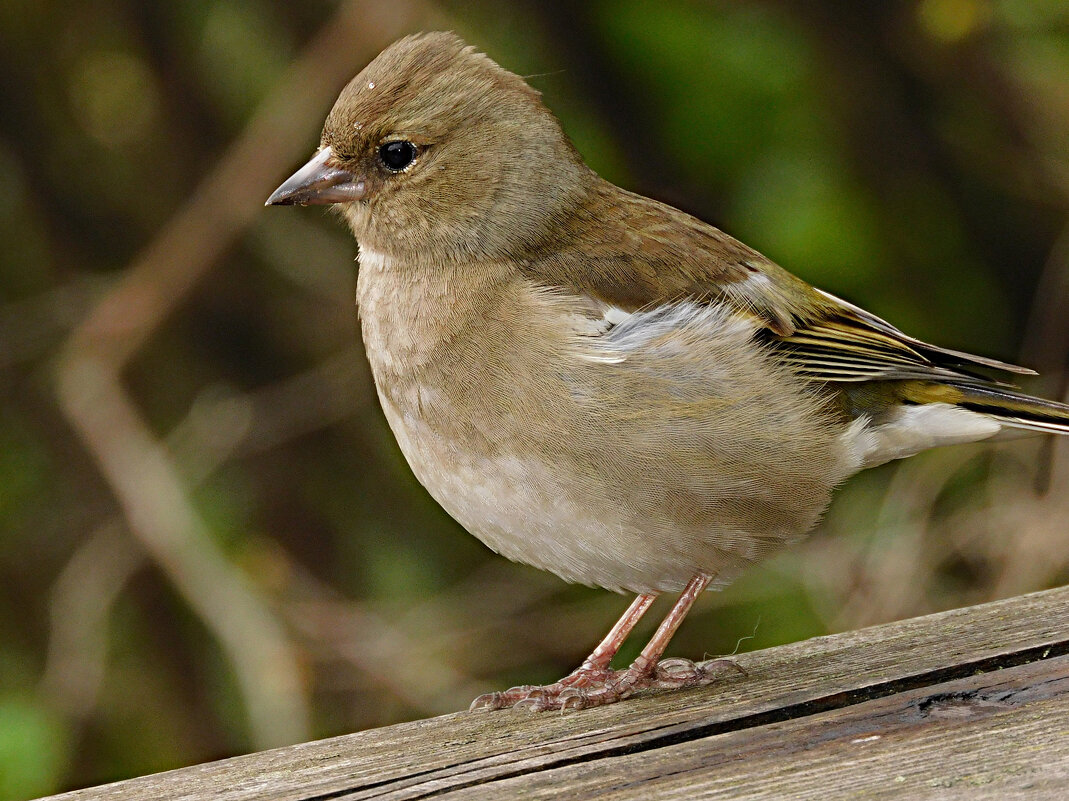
[1015,409]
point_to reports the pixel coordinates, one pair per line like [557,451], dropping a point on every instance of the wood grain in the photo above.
[971,703]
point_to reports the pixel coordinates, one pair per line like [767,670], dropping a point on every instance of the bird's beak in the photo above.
[319,182]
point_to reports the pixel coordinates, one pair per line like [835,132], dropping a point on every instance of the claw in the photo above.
[573,698]
[531,705]
[713,666]
[488,701]
[677,672]
[521,690]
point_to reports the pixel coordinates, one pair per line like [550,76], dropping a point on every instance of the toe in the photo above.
[715,667]
[536,702]
[574,698]
[488,701]
[678,671]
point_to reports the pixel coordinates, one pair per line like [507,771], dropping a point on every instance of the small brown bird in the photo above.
[595,383]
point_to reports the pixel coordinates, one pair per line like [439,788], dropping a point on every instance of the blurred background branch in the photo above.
[210,543]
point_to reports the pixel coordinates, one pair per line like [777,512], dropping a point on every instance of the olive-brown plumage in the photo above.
[595,383]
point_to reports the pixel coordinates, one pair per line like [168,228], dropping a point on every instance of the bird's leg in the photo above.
[593,672]
[647,671]
[594,683]
[601,656]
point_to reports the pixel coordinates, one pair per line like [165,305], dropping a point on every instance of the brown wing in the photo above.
[632,252]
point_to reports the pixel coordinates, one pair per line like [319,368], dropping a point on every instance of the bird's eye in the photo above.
[395,156]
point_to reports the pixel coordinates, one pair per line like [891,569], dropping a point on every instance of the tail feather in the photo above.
[1016,409]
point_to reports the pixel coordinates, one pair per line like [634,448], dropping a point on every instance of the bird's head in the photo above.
[435,150]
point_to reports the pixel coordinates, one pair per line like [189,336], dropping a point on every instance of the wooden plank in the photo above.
[999,735]
[933,691]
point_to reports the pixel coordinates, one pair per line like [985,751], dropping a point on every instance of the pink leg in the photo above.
[647,671]
[594,670]
[651,654]
[594,684]
[607,648]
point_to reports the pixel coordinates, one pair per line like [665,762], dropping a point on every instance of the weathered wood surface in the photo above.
[967,704]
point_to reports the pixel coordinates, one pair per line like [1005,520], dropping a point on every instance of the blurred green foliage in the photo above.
[910,156]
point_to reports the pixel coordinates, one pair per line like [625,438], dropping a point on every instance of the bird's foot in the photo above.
[535,698]
[586,688]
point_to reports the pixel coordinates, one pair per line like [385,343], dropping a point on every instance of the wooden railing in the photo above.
[967,704]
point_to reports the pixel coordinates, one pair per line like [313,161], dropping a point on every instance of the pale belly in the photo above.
[648,525]
[538,512]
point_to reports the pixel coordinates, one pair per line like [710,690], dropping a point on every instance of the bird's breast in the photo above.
[478,408]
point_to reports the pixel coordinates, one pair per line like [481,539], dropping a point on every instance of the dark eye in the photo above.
[395,156]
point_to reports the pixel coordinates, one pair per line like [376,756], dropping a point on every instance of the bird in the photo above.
[596,383]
